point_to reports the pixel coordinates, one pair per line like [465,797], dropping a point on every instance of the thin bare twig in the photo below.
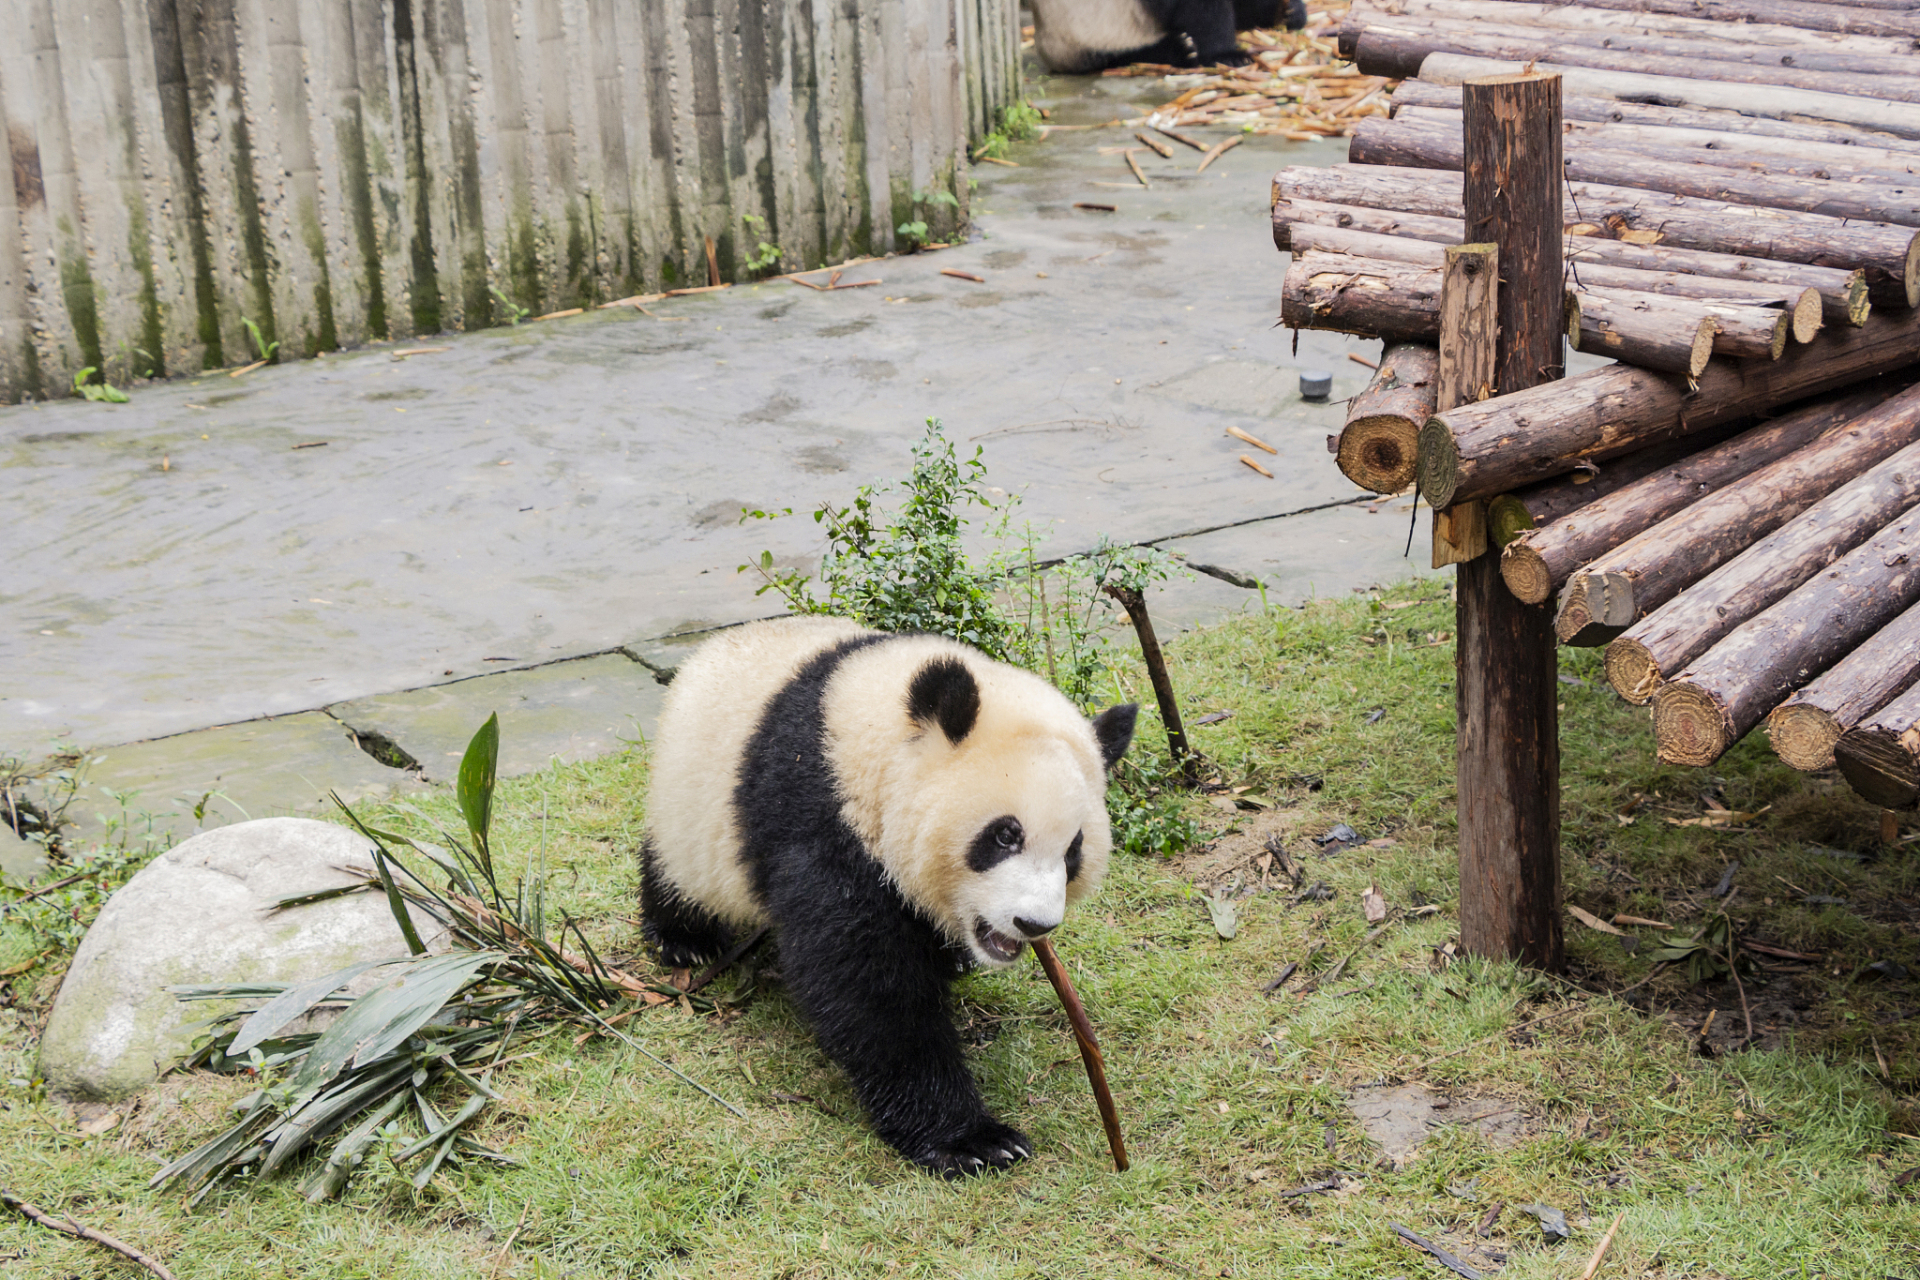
[49,888]
[70,1227]
[721,965]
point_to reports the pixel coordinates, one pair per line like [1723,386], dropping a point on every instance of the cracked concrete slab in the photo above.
[565,712]
[260,769]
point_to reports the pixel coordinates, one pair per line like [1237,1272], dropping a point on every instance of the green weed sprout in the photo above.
[265,348]
[512,310]
[101,391]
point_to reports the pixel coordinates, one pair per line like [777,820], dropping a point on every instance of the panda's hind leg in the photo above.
[685,932]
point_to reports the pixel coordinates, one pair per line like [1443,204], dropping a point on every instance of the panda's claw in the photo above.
[990,1145]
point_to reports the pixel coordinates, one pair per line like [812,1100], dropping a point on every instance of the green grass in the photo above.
[1775,1162]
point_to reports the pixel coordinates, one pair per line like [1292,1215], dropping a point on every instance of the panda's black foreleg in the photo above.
[872,980]
[684,932]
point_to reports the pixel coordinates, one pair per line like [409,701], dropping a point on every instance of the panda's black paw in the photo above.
[988,1146]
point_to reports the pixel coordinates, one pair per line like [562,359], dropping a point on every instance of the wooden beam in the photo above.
[1506,689]
[1469,329]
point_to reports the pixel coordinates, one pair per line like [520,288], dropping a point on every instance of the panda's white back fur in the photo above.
[1065,32]
[915,800]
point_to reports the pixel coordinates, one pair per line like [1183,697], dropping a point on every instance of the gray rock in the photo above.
[201,913]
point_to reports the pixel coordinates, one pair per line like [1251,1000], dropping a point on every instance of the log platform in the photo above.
[1733,505]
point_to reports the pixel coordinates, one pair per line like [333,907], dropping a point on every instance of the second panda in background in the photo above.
[1078,37]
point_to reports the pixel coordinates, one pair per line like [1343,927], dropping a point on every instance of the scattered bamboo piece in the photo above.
[1097,208]
[962,275]
[246,368]
[418,351]
[1361,360]
[1256,466]
[1011,164]
[1181,138]
[71,1227]
[1255,441]
[1219,149]
[713,265]
[1089,1048]
[1135,166]
[1600,1253]
[561,315]
[1147,139]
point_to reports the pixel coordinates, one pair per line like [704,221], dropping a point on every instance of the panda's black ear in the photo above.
[1114,730]
[944,693]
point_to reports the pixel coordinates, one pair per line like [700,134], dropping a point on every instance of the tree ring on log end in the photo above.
[1526,573]
[1803,736]
[1689,726]
[1911,276]
[1438,466]
[1806,316]
[1507,519]
[1378,452]
[1632,671]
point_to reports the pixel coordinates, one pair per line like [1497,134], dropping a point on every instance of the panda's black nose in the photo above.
[1032,928]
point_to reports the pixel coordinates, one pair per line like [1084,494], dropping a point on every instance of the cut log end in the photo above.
[1882,765]
[1859,300]
[1526,572]
[1632,671]
[1806,316]
[1702,351]
[1912,275]
[1507,519]
[1594,609]
[1379,452]
[1689,725]
[1803,735]
[1438,467]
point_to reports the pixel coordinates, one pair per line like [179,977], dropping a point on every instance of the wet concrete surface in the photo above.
[333,533]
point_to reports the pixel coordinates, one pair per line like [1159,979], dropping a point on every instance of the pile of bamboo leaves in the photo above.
[427,1039]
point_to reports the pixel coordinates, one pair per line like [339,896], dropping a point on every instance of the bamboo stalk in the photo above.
[1089,1049]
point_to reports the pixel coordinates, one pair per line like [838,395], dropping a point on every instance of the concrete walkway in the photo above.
[296,580]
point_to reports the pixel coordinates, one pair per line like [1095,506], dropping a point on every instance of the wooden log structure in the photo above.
[1846,19]
[1805,728]
[1890,255]
[1397,52]
[1880,757]
[1539,505]
[1397,301]
[1803,305]
[1378,445]
[1419,93]
[1400,42]
[1481,450]
[1661,644]
[1537,564]
[1676,334]
[1616,590]
[1843,293]
[1619,19]
[1420,142]
[1469,347]
[1506,690]
[1711,705]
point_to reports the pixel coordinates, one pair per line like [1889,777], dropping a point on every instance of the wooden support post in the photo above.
[1506,690]
[1469,328]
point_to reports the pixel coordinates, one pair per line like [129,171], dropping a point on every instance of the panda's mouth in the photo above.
[999,946]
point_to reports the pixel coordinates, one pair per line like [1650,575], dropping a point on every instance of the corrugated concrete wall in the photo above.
[336,171]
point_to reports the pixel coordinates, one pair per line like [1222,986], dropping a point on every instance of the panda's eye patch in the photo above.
[1073,855]
[997,841]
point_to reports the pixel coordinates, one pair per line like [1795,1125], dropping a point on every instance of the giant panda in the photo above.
[900,808]
[1076,37]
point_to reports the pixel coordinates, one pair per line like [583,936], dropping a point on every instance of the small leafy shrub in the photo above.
[768,254]
[102,391]
[511,310]
[1018,123]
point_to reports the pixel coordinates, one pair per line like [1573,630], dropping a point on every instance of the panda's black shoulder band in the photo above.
[944,693]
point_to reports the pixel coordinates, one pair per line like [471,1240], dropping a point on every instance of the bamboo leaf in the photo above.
[350,1151]
[398,905]
[382,1019]
[291,1003]
[478,770]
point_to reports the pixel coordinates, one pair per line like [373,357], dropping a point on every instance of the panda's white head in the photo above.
[980,788]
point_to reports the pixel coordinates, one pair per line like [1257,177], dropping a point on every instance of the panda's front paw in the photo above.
[989,1145]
